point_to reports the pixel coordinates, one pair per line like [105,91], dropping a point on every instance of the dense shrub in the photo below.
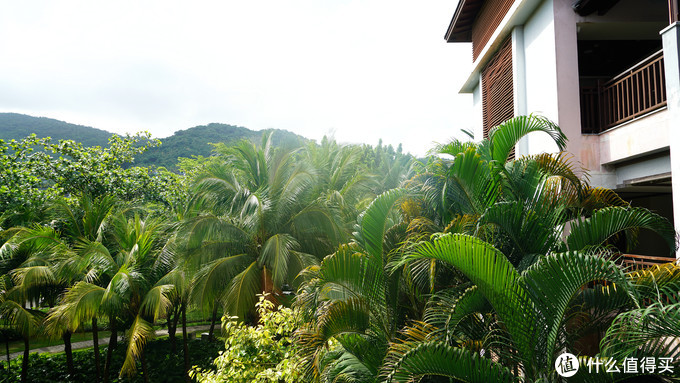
[262,353]
[163,366]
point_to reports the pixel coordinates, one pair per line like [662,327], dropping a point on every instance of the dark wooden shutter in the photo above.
[498,103]
[488,20]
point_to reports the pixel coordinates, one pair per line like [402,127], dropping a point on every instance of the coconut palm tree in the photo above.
[263,223]
[123,285]
[19,318]
[58,258]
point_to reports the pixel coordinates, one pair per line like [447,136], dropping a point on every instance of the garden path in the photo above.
[103,342]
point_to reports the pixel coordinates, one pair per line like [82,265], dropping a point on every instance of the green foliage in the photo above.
[21,188]
[31,179]
[462,272]
[262,353]
[349,302]
[162,365]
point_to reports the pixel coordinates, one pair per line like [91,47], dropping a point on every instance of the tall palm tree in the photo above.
[59,256]
[342,179]
[124,285]
[263,224]
[522,206]
[350,302]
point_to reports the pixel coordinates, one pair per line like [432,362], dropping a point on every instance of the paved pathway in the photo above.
[105,341]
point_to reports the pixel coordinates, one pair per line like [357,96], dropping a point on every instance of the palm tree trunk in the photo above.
[109,350]
[24,362]
[212,323]
[114,331]
[66,337]
[7,350]
[172,329]
[95,341]
[186,344]
[144,370]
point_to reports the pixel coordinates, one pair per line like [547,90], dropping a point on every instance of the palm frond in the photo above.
[138,335]
[605,223]
[436,358]
[555,279]
[651,331]
[156,302]
[373,223]
[240,297]
[505,136]
[213,279]
[276,253]
[496,279]
[25,321]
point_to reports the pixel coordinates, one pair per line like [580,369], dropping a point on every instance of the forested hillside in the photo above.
[196,142]
[16,126]
[184,143]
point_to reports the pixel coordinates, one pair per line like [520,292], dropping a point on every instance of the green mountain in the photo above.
[183,143]
[196,141]
[17,126]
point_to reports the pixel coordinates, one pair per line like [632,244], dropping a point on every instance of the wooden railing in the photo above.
[637,262]
[637,91]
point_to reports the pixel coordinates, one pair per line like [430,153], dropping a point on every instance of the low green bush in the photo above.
[262,353]
[163,366]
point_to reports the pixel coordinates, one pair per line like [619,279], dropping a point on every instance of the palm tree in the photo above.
[23,320]
[350,302]
[520,208]
[531,313]
[263,224]
[59,257]
[123,285]
[342,179]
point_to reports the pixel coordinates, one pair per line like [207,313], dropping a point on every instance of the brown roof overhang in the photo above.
[460,28]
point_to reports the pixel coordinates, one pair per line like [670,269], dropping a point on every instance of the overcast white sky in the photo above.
[362,69]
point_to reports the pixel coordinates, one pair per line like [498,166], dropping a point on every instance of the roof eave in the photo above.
[460,27]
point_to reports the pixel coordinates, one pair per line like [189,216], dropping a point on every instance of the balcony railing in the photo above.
[633,93]
[634,262]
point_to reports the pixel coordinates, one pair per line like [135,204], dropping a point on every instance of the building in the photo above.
[607,71]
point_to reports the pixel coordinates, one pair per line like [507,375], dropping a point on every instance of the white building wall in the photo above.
[540,74]
[478,122]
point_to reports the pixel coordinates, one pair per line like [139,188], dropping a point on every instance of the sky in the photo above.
[360,70]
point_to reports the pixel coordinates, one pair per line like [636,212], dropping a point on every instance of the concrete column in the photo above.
[670,38]
[568,92]
[519,82]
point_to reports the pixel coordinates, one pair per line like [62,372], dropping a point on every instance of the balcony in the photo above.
[634,262]
[634,92]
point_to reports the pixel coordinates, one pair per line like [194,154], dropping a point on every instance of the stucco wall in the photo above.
[541,73]
[646,135]
[477,126]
